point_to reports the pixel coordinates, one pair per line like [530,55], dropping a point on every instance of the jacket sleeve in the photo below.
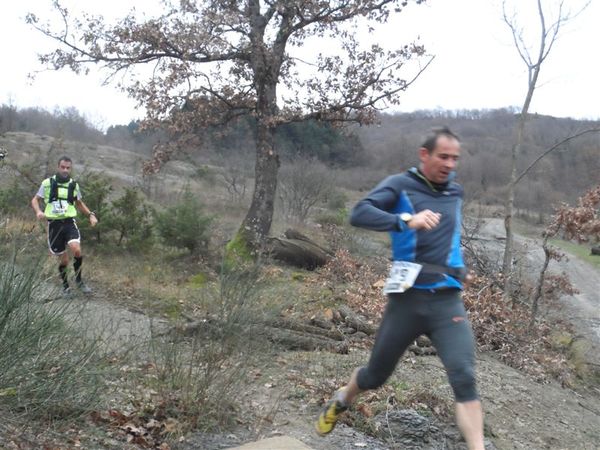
[373,212]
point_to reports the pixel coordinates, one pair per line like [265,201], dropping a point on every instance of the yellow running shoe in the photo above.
[330,414]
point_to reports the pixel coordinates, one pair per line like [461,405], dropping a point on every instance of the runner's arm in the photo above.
[372,212]
[82,207]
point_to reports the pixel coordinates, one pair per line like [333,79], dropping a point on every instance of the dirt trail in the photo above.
[583,309]
[116,327]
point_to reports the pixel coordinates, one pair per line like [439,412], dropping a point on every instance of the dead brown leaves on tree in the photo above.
[581,222]
[501,328]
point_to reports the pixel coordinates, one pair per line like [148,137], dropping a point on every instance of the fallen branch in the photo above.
[356,321]
[293,340]
[291,334]
[306,328]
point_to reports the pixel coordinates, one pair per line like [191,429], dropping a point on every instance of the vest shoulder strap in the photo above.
[70,190]
[53,190]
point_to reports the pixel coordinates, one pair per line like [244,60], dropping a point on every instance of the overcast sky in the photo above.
[476,65]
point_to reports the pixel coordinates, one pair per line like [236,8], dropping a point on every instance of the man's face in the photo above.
[438,164]
[64,168]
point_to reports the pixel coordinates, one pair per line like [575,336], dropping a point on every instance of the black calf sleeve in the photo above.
[62,270]
[77,267]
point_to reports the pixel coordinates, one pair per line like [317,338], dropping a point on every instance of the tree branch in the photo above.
[554,147]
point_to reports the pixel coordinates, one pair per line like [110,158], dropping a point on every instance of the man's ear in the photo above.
[423,154]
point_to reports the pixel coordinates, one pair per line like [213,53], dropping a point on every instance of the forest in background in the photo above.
[366,154]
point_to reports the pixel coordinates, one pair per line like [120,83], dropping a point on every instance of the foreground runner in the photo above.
[62,198]
[421,208]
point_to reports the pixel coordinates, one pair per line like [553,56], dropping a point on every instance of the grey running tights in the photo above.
[441,316]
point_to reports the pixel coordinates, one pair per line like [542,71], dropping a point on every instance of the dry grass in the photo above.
[48,370]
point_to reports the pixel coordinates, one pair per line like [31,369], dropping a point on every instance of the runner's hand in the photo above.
[40,215]
[93,220]
[424,220]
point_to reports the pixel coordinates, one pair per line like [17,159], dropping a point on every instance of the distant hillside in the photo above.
[358,156]
[487,140]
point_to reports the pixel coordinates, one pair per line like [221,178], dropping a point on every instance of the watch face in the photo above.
[405,216]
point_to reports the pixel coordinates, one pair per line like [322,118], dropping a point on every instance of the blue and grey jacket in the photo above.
[438,249]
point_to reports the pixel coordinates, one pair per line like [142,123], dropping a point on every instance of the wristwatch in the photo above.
[405,217]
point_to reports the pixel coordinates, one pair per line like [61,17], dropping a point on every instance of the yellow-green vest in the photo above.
[62,206]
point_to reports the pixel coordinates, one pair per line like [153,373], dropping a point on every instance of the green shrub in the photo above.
[96,188]
[205,173]
[198,281]
[339,217]
[184,225]
[129,216]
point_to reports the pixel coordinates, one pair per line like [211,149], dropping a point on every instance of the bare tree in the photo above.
[215,60]
[235,173]
[549,32]
[304,183]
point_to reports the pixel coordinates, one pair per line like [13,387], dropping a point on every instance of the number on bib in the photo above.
[402,276]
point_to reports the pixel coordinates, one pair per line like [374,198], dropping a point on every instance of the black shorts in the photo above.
[60,233]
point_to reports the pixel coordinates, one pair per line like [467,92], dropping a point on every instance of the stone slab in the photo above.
[274,443]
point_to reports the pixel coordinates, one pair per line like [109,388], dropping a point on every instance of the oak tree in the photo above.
[206,63]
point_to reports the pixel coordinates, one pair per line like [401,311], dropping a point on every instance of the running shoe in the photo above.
[84,287]
[330,414]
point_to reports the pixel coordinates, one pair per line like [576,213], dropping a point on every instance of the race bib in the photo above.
[402,276]
[59,206]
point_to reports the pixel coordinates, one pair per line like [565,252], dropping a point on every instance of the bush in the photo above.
[129,216]
[199,379]
[184,225]
[47,369]
[301,185]
[337,218]
[15,197]
[336,200]
[205,173]
[498,327]
[96,188]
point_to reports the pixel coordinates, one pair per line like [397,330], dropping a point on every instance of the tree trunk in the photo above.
[291,335]
[540,284]
[257,223]
[510,201]
[533,74]
[266,65]
[508,214]
[356,321]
